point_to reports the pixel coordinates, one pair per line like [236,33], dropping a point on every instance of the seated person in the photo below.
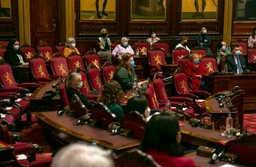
[74,83]
[236,63]
[104,44]
[252,38]
[112,96]
[183,43]
[125,73]
[123,48]
[162,141]
[152,37]
[195,69]
[223,51]
[204,41]
[70,47]
[13,55]
[78,154]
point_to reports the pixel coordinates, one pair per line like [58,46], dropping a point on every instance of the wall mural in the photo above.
[199,9]
[5,8]
[98,9]
[245,10]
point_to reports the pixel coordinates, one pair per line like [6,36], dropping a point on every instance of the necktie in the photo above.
[239,67]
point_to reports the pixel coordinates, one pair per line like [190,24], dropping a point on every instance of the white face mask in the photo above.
[153,35]
[73,45]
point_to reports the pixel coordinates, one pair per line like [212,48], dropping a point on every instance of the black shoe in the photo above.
[104,13]
[99,16]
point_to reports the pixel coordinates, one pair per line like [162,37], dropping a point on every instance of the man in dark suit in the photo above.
[236,63]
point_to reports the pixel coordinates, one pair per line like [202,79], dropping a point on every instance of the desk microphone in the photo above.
[64,111]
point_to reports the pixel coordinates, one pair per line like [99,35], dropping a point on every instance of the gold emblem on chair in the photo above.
[184,86]
[209,66]
[98,83]
[164,93]
[180,57]
[86,87]
[28,55]
[157,60]
[47,55]
[62,69]
[143,50]
[96,63]
[41,70]
[254,57]
[111,74]
[9,79]
[155,101]
[77,64]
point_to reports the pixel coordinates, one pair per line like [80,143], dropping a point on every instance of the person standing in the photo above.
[204,41]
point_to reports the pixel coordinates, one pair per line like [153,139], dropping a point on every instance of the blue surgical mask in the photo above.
[125,44]
[80,85]
[16,47]
[223,48]
[132,63]
[204,31]
[237,52]
[73,45]
[153,35]
[196,61]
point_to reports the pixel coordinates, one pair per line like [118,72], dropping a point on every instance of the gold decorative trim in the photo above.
[227,24]
[24,22]
[70,18]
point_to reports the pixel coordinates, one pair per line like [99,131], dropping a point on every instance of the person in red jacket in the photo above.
[162,139]
[195,69]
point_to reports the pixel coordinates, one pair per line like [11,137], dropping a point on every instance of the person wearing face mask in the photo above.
[104,44]
[123,48]
[183,43]
[125,73]
[152,37]
[204,41]
[70,47]
[236,63]
[73,84]
[222,51]
[13,55]
[195,69]
[252,38]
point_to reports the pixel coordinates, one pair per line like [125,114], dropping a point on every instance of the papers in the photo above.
[18,100]
[200,100]
[2,115]
[21,157]
[8,108]
[228,165]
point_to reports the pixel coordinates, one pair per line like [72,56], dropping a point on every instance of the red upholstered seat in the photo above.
[156,58]
[163,46]
[46,52]
[92,58]
[200,51]
[252,55]
[210,64]
[134,122]
[250,122]
[243,45]
[104,116]
[183,63]
[152,98]
[95,79]
[142,48]
[178,54]
[59,65]
[108,72]
[28,51]
[64,95]
[75,61]
[39,70]
[2,53]
[60,47]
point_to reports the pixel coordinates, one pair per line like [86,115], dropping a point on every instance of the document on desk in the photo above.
[228,165]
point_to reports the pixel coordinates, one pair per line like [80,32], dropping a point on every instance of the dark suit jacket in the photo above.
[232,67]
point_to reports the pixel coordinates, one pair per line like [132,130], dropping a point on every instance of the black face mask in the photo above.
[104,35]
[185,44]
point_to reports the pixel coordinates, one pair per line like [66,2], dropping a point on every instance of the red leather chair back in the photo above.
[243,45]
[210,64]
[183,63]
[142,48]
[108,72]
[6,76]
[59,65]
[60,47]
[64,95]
[156,58]
[200,51]
[86,87]
[151,97]
[94,59]
[160,90]
[39,70]
[178,54]
[46,52]
[2,52]
[163,46]
[75,61]
[95,80]
[28,51]
[252,55]
[181,83]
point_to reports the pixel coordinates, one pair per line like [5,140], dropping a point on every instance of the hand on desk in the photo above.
[25,64]
[199,76]
[141,83]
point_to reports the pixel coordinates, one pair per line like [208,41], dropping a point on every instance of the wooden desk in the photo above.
[215,84]
[39,104]
[21,73]
[142,67]
[63,128]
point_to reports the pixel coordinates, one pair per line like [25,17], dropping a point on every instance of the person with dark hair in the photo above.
[112,96]
[183,43]
[152,37]
[252,38]
[138,103]
[204,41]
[195,69]
[73,84]
[162,139]
[104,44]
[125,73]
[14,56]
[236,63]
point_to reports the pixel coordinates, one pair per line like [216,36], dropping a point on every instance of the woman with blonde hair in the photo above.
[70,47]
[112,96]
